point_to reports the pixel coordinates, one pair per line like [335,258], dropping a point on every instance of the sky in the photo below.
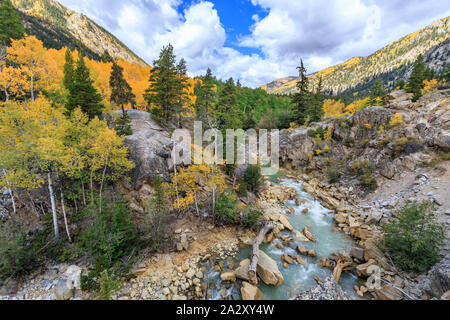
[258,41]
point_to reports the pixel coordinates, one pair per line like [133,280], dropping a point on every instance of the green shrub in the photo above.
[250,217]
[242,190]
[108,285]
[414,238]
[226,210]
[16,252]
[363,170]
[333,176]
[368,181]
[109,237]
[317,133]
[253,177]
[158,211]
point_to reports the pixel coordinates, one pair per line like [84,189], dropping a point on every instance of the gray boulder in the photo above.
[437,281]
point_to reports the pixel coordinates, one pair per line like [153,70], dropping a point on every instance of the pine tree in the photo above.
[206,96]
[106,57]
[315,108]
[302,98]
[226,110]
[164,90]
[121,94]
[10,24]
[416,79]
[378,92]
[182,100]
[68,70]
[82,92]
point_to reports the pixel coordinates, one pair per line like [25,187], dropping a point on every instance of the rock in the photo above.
[329,290]
[297,202]
[149,147]
[184,242]
[387,292]
[267,270]
[340,218]
[285,222]
[291,210]
[318,280]
[308,234]
[73,276]
[325,263]
[190,273]
[9,287]
[287,258]
[300,261]
[303,251]
[179,247]
[357,253]
[437,280]
[250,292]
[361,269]
[300,236]
[228,276]
[371,251]
[242,271]
[63,290]
[312,253]
[443,140]
[305,211]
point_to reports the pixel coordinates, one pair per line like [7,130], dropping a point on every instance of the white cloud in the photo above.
[322,32]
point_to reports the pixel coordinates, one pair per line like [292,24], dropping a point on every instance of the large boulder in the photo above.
[437,281]
[328,290]
[267,270]
[443,140]
[149,147]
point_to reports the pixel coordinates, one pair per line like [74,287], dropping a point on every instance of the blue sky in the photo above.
[257,41]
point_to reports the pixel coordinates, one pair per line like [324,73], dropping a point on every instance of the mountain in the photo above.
[390,63]
[58,26]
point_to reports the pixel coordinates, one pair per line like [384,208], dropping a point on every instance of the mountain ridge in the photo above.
[359,70]
[58,26]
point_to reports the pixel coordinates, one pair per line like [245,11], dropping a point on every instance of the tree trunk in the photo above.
[52,200]
[84,194]
[92,187]
[101,189]
[10,192]
[65,216]
[268,226]
[32,87]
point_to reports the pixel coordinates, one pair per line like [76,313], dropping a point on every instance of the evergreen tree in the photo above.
[164,91]
[10,24]
[182,100]
[82,92]
[377,92]
[226,111]
[68,70]
[315,109]
[206,97]
[106,57]
[121,94]
[415,83]
[302,98]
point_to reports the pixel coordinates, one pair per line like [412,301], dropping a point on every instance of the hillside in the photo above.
[391,62]
[58,26]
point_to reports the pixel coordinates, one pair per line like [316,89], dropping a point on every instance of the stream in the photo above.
[297,278]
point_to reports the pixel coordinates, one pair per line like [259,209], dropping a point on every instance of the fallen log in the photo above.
[268,226]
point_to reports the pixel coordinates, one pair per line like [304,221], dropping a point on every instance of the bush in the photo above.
[317,133]
[250,217]
[368,182]
[253,177]
[226,210]
[16,253]
[363,170]
[406,146]
[413,239]
[109,237]
[333,176]
[158,211]
[242,190]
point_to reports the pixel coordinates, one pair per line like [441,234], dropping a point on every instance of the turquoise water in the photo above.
[298,278]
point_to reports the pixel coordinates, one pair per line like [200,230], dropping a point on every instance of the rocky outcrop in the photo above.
[149,147]
[328,290]
[437,281]
[250,292]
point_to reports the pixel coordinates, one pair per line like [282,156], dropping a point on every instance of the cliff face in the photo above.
[58,26]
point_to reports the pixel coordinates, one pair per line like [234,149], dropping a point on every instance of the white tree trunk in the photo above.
[52,200]
[101,189]
[84,194]
[10,192]
[65,216]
